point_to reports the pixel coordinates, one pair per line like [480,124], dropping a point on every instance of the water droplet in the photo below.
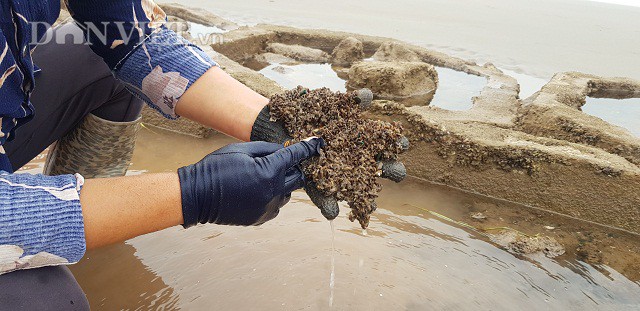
[332,278]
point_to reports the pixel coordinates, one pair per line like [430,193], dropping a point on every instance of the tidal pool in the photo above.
[203,30]
[528,84]
[456,89]
[409,258]
[311,76]
[621,112]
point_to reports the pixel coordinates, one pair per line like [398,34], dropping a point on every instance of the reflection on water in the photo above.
[114,278]
[408,260]
[621,112]
[332,276]
[528,84]
[201,30]
[456,89]
[312,76]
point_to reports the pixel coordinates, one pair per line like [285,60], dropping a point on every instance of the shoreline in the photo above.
[630,3]
[585,36]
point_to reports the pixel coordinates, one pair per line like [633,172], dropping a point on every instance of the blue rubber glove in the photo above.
[243,184]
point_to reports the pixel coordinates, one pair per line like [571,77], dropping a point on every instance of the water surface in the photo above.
[621,112]
[456,89]
[528,84]
[408,260]
[312,76]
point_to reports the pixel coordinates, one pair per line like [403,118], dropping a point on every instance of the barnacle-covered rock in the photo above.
[395,52]
[349,51]
[394,80]
[299,52]
[348,166]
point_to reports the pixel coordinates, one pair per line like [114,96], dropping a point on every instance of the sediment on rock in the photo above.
[197,15]
[555,112]
[298,52]
[519,243]
[395,52]
[554,175]
[348,51]
[394,80]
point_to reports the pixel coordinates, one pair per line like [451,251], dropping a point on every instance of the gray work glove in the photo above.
[264,129]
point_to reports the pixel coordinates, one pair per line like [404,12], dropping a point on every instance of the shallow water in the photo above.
[312,76]
[456,89]
[528,84]
[621,112]
[408,260]
[332,276]
[202,30]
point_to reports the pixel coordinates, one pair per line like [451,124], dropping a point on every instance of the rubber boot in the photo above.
[97,148]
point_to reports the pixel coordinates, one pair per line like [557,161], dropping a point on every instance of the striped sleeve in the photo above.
[41,221]
[155,63]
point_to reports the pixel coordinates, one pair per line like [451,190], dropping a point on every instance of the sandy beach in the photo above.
[538,38]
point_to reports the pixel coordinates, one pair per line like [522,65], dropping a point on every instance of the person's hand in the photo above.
[243,184]
[265,129]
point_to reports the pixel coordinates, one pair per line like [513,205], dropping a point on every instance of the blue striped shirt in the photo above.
[40,216]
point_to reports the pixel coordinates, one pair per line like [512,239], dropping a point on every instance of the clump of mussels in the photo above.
[350,162]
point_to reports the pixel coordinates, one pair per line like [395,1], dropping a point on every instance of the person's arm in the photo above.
[170,74]
[229,107]
[240,184]
[160,67]
[47,220]
[40,221]
[52,220]
[150,203]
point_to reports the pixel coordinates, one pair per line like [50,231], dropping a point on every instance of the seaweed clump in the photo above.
[352,159]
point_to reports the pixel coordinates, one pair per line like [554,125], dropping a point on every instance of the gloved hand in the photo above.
[243,184]
[265,129]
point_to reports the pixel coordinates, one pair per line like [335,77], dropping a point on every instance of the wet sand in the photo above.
[538,38]
[410,259]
